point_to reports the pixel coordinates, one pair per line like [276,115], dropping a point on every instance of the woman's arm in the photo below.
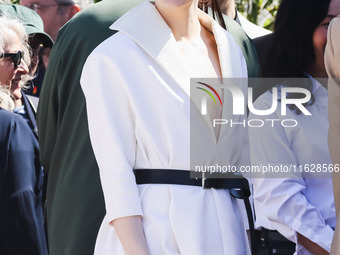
[111,121]
[131,235]
[280,203]
[311,246]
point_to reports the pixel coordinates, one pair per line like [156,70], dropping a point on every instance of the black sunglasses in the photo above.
[15,57]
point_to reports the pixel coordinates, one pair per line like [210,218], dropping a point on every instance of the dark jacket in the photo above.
[21,181]
[31,113]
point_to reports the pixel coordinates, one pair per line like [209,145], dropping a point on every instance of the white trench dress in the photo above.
[138,107]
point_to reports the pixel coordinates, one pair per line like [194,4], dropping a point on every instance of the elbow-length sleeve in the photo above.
[111,127]
[280,203]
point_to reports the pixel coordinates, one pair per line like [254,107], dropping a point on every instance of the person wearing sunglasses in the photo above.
[26,103]
[11,66]
[37,39]
[15,58]
[21,177]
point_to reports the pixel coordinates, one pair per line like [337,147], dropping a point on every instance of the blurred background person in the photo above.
[332,61]
[54,13]
[300,208]
[21,182]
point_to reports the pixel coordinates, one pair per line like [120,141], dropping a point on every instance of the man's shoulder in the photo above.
[117,47]
[102,13]
[251,29]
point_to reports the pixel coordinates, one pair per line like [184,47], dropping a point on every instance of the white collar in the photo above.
[144,21]
[144,25]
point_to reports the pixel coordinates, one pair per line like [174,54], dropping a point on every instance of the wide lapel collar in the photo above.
[144,21]
[141,24]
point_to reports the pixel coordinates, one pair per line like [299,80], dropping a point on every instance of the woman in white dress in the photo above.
[299,205]
[137,90]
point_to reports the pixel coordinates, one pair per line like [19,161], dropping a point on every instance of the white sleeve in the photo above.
[111,127]
[280,203]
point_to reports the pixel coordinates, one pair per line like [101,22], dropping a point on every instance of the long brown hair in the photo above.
[215,9]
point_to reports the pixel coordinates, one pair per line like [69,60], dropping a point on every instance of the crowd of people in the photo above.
[99,128]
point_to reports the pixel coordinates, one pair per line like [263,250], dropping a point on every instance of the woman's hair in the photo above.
[292,50]
[6,26]
[215,8]
[6,100]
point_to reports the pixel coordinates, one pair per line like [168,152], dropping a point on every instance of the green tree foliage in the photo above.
[9,1]
[261,12]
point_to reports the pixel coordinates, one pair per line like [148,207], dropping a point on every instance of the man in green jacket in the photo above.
[75,203]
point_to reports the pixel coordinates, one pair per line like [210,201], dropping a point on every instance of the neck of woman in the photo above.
[228,7]
[18,102]
[182,19]
[318,72]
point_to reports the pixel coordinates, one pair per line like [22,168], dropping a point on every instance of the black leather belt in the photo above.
[238,186]
[272,235]
[185,177]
